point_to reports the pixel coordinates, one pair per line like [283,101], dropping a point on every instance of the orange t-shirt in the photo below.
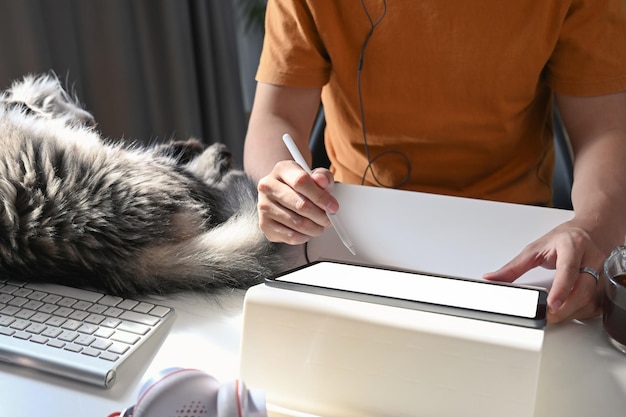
[461,89]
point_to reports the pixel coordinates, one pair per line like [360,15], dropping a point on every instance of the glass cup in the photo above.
[614,302]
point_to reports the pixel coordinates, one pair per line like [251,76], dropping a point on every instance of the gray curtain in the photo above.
[149,70]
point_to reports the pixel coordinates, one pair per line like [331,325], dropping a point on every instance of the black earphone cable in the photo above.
[370,160]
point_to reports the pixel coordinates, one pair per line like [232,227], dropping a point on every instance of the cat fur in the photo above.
[128,219]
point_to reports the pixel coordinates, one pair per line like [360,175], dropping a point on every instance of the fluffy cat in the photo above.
[77,209]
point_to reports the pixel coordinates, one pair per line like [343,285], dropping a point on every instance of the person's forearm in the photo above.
[598,133]
[599,191]
[278,110]
[264,147]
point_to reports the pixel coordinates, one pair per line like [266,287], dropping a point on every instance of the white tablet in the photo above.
[484,300]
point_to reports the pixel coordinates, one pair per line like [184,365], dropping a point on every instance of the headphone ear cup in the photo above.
[154,378]
[229,400]
[177,393]
[235,400]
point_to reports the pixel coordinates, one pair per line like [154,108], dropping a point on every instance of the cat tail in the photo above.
[234,254]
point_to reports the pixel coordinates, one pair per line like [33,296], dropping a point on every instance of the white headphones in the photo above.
[179,392]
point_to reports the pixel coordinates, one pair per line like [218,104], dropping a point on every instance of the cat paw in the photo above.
[215,162]
[183,151]
[219,159]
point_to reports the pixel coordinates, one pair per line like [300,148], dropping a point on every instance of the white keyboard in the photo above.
[75,333]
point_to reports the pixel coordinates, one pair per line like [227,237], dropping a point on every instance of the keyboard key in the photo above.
[87,328]
[97,308]
[94,319]
[66,302]
[90,352]
[24,314]
[51,332]
[136,328]
[51,298]
[56,343]
[55,321]
[39,339]
[6,331]
[63,311]
[20,324]
[35,328]
[127,304]
[84,340]
[110,300]
[8,289]
[109,356]
[9,310]
[118,348]
[110,322]
[6,321]
[159,311]
[18,301]
[73,348]
[128,338]
[82,305]
[113,312]
[36,295]
[101,344]
[68,336]
[4,298]
[78,315]
[71,324]
[143,307]
[33,304]
[40,317]
[139,318]
[21,292]
[104,332]
[48,308]
[22,335]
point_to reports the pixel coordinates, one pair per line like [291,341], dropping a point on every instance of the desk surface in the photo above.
[581,374]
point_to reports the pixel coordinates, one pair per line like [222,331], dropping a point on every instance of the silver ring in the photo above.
[590,271]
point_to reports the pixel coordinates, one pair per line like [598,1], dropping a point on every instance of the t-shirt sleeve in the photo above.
[293,53]
[590,55]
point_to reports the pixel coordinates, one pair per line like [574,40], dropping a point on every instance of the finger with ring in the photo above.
[590,271]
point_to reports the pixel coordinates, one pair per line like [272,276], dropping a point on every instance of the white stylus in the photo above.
[334,220]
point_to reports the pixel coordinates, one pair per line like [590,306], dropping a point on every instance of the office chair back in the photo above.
[316,141]
[563,165]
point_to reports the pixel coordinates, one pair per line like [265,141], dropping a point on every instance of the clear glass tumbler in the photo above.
[614,302]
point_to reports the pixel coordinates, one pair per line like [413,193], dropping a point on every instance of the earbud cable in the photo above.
[371,160]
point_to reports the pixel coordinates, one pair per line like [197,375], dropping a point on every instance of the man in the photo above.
[452,98]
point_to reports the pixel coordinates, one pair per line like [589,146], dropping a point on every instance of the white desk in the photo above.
[581,375]
[205,335]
